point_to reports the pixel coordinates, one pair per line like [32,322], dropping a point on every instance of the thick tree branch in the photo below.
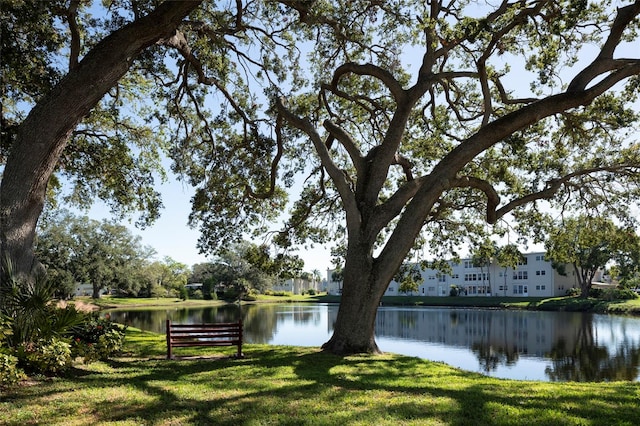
[371,70]
[406,164]
[348,143]
[74,49]
[605,62]
[337,176]
[493,199]
[494,213]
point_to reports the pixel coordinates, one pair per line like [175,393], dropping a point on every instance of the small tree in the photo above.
[587,243]
[482,256]
[508,257]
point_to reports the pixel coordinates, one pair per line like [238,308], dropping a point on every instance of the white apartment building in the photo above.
[533,277]
[297,286]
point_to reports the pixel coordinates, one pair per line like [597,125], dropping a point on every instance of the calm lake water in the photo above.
[546,346]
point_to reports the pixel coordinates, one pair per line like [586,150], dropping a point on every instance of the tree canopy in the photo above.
[247,265]
[458,139]
[82,250]
[589,244]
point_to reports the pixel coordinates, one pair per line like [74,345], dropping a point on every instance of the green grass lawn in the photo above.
[280,385]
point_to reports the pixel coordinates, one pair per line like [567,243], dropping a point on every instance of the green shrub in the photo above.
[596,292]
[98,338]
[5,329]
[9,371]
[48,357]
[278,293]
[250,297]
[618,294]
[574,291]
[311,292]
[184,293]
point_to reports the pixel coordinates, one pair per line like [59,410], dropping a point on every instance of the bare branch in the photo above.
[337,176]
[552,187]
[493,199]
[406,165]
[347,142]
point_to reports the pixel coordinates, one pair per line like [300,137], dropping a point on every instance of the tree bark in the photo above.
[365,280]
[45,132]
[361,294]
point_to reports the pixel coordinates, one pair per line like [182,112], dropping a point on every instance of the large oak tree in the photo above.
[460,137]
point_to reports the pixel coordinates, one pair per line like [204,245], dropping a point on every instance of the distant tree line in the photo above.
[79,250]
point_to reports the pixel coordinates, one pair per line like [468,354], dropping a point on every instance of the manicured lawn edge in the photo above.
[569,303]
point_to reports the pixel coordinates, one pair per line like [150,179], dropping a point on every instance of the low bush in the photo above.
[250,297]
[278,293]
[49,357]
[618,294]
[9,371]
[98,338]
[574,291]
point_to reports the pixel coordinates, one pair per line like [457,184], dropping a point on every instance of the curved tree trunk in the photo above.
[44,134]
[365,281]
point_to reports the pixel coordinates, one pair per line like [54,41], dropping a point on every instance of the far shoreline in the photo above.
[566,304]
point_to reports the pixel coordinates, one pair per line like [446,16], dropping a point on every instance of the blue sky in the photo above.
[171,236]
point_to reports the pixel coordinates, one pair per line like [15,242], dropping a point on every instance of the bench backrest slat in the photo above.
[212,334]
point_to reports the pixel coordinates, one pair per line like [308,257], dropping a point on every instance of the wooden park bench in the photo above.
[218,334]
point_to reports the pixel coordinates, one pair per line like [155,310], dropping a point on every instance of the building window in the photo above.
[455,276]
[422,290]
[541,272]
[520,289]
[523,261]
[432,277]
[520,275]
[442,278]
[468,264]
[539,258]
[432,289]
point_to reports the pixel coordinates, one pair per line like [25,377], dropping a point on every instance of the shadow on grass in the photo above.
[290,385]
[266,386]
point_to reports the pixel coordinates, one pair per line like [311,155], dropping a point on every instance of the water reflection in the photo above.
[550,346]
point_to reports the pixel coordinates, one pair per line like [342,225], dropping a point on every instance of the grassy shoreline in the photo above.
[297,386]
[571,304]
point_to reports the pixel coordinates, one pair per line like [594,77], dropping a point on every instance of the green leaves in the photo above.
[591,242]
[103,254]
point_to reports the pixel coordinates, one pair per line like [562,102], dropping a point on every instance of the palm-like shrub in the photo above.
[35,316]
[38,330]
